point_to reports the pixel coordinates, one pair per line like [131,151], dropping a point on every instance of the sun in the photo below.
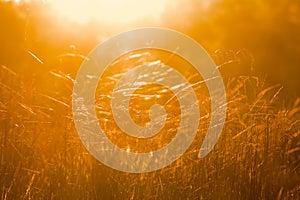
[110,11]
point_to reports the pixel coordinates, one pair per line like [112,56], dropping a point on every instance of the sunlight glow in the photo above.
[109,11]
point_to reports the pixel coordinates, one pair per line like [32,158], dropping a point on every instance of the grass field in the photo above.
[42,156]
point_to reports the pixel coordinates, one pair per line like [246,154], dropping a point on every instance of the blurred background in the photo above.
[268,31]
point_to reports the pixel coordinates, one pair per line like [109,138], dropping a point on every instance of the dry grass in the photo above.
[42,157]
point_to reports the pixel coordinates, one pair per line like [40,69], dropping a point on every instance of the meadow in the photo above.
[42,156]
